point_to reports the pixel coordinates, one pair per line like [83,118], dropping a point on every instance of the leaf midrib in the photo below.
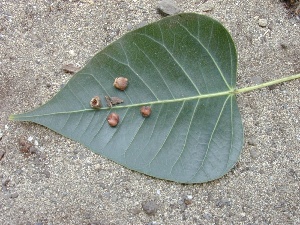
[229,92]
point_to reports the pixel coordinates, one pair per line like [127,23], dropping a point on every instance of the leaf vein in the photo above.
[155,69]
[213,59]
[167,136]
[184,145]
[210,139]
[175,60]
[128,65]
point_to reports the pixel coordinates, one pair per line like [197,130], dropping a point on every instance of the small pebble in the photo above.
[256,80]
[207,216]
[262,22]
[223,202]
[129,26]
[72,53]
[102,185]
[141,24]
[70,68]
[272,87]
[47,173]
[114,198]
[25,148]
[208,6]
[42,156]
[254,153]
[33,150]
[2,153]
[106,194]
[187,199]
[97,167]
[136,211]
[152,223]
[5,183]
[14,195]
[168,7]
[22,141]
[30,138]
[283,46]
[150,207]
[252,141]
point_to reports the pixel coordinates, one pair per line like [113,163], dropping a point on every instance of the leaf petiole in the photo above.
[278,81]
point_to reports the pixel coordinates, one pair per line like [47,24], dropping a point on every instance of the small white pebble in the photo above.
[36,143]
[6,127]
[30,138]
[262,22]
[72,53]
[158,192]
[97,167]
[189,197]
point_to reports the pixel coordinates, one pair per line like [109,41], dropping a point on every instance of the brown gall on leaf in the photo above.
[95,102]
[145,111]
[110,101]
[116,100]
[121,83]
[113,119]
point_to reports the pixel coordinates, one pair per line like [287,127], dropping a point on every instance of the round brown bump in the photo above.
[121,83]
[145,111]
[113,119]
[95,102]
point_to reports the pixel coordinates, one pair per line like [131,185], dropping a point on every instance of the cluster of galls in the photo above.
[120,83]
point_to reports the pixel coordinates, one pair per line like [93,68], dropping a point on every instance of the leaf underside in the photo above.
[184,67]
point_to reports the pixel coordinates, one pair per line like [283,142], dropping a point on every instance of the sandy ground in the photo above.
[65,183]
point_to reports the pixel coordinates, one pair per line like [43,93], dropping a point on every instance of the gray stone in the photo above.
[252,141]
[262,22]
[208,6]
[46,173]
[33,150]
[136,211]
[150,207]
[223,202]
[256,80]
[207,216]
[141,24]
[254,153]
[14,195]
[5,182]
[168,7]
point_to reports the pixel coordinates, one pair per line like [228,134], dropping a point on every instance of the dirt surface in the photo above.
[58,181]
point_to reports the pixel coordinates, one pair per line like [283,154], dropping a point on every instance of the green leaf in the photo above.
[184,67]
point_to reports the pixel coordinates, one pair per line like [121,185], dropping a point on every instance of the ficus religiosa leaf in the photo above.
[184,67]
